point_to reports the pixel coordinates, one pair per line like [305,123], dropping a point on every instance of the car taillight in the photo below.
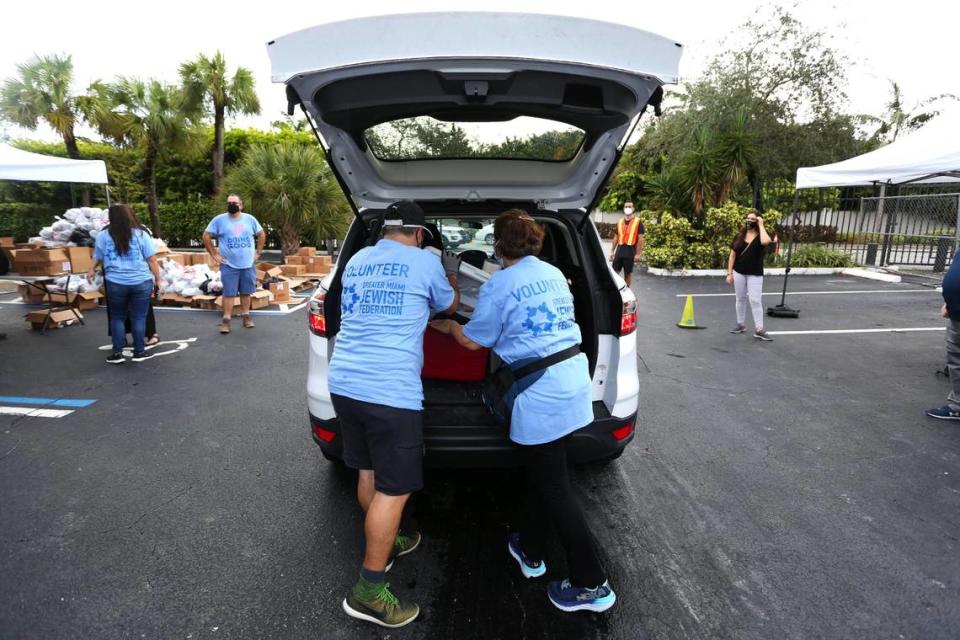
[324,434]
[624,431]
[628,318]
[318,322]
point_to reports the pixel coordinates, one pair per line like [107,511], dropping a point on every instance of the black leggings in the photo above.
[550,499]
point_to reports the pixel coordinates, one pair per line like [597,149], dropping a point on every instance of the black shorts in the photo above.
[385,439]
[623,261]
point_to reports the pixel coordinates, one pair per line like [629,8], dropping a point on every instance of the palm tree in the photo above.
[699,171]
[42,92]
[152,115]
[206,87]
[897,118]
[736,154]
[291,188]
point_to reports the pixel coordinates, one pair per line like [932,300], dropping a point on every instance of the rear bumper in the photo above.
[464,447]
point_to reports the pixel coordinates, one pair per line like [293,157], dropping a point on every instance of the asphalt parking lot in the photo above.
[791,489]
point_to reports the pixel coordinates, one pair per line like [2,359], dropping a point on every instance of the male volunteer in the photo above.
[240,239]
[389,290]
[628,243]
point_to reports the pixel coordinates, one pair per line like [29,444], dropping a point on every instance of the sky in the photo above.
[915,44]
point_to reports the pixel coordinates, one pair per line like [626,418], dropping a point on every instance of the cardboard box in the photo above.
[174,299]
[280,290]
[203,301]
[307,251]
[42,262]
[200,257]
[81,259]
[180,258]
[267,270]
[6,241]
[293,269]
[319,264]
[260,299]
[87,300]
[295,260]
[31,295]
[57,318]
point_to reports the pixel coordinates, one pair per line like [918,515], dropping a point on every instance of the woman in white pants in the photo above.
[745,273]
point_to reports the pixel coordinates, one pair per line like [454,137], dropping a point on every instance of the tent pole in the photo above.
[106,191]
[782,310]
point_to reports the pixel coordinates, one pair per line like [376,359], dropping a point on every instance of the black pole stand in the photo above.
[782,310]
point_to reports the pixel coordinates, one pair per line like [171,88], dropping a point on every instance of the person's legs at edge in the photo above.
[755,295]
[231,287]
[248,286]
[139,302]
[953,362]
[740,287]
[547,472]
[117,301]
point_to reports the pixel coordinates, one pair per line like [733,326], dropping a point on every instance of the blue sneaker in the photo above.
[529,568]
[566,597]
[946,412]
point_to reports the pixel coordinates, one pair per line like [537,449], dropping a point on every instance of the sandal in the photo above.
[152,340]
[225,326]
[248,322]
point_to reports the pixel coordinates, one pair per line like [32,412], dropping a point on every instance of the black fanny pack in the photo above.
[500,388]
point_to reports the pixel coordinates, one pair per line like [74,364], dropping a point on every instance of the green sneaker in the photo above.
[380,607]
[403,545]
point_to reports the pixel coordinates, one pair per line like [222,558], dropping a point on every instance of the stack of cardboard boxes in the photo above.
[307,264]
[37,260]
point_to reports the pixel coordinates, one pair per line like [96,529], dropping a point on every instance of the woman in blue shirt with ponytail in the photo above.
[525,313]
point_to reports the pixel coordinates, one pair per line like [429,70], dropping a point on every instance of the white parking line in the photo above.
[827,331]
[34,413]
[812,293]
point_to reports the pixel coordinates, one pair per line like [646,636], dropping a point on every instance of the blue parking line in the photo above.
[54,402]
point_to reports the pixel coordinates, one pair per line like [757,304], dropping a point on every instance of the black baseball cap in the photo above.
[407,214]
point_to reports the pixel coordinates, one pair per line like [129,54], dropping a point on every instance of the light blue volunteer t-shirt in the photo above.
[388,292]
[130,268]
[524,313]
[237,238]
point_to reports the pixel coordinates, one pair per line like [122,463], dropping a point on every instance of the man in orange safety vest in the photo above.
[627,243]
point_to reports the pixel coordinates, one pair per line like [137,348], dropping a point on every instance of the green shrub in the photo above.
[23,220]
[673,242]
[819,256]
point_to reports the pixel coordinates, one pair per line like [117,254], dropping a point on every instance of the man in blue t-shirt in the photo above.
[951,311]
[240,240]
[389,290]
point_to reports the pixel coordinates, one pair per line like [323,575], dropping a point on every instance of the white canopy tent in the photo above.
[928,155]
[16,164]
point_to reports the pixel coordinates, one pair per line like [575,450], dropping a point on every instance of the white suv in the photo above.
[462,79]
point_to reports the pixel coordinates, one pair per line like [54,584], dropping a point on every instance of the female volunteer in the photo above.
[130,269]
[745,273]
[525,313]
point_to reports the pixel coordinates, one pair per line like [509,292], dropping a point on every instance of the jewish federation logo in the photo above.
[539,319]
[349,298]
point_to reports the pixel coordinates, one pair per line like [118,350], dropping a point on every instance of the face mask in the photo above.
[628,211]
[233,207]
[751,224]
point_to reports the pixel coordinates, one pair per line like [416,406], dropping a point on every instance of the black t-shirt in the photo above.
[749,260]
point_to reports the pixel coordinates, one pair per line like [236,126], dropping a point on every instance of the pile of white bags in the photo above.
[187,281]
[78,283]
[87,220]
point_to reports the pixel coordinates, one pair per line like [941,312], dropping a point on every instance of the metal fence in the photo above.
[912,230]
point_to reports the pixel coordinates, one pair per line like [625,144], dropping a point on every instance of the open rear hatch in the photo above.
[352,76]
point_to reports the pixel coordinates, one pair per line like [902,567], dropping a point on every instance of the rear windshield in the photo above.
[523,138]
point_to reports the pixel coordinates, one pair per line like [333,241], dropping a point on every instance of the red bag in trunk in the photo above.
[444,359]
